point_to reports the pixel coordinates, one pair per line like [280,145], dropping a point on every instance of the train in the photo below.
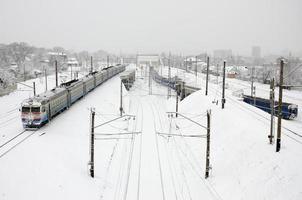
[172,83]
[289,111]
[128,78]
[175,83]
[40,109]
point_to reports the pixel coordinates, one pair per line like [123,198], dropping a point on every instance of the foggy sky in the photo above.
[131,26]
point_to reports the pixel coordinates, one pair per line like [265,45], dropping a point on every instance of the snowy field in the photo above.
[52,162]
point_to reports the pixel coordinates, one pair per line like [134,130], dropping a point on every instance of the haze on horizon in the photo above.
[131,26]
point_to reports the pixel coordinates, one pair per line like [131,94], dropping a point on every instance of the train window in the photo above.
[35,109]
[25,109]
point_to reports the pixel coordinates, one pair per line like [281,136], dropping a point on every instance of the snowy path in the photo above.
[164,172]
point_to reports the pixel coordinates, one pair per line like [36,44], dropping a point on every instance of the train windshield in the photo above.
[35,109]
[25,109]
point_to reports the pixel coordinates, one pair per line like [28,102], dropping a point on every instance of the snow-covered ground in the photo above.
[52,163]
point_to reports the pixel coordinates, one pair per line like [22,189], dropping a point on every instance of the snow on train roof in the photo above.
[128,72]
[38,99]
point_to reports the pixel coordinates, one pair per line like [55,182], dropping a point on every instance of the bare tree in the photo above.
[19,52]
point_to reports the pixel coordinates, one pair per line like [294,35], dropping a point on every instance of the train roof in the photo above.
[267,100]
[71,83]
[88,76]
[43,97]
[127,73]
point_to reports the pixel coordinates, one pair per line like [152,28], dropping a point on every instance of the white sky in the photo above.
[187,26]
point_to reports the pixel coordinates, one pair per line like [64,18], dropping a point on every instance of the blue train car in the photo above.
[289,111]
[165,81]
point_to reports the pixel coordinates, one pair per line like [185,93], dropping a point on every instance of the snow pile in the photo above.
[244,165]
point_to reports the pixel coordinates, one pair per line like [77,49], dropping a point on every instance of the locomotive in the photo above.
[40,109]
[288,110]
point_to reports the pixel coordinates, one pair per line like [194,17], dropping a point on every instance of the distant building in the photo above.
[222,53]
[57,54]
[191,63]
[148,60]
[256,52]
[72,62]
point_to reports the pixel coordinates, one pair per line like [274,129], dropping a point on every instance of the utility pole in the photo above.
[207,79]
[121,99]
[91,162]
[34,88]
[223,86]
[208,143]
[169,76]
[176,103]
[24,73]
[196,66]
[278,144]
[217,75]
[56,69]
[91,64]
[186,64]
[71,72]
[45,74]
[272,98]
[254,93]
[252,82]
[150,79]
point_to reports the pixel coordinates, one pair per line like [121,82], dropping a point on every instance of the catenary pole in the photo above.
[272,97]
[169,76]
[56,71]
[278,144]
[91,64]
[196,66]
[91,162]
[176,104]
[223,86]
[208,143]
[45,74]
[121,98]
[252,82]
[34,88]
[207,78]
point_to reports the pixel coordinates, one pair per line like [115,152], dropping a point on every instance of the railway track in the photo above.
[15,141]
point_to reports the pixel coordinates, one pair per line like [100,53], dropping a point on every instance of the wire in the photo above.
[158,155]
[14,146]
[209,187]
[171,172]
[108,168]
[182,171]
[140,155]
[246,108]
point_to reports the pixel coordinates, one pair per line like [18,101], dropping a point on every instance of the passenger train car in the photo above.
[40,109]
